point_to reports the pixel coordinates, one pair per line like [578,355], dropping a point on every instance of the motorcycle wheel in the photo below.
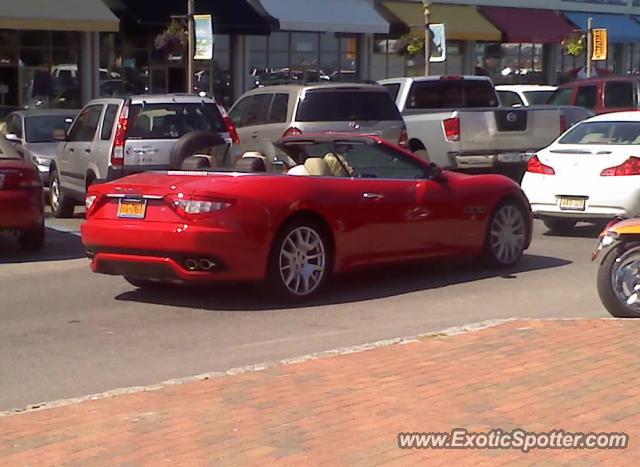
[619,281]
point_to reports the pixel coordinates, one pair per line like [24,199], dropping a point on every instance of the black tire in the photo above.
[276,283]
[33,239]
[491,255]
[145,283]
[192,143]
[614,305]
[61,205]
[559,225]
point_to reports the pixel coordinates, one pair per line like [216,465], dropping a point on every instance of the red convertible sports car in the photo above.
[319,205]
[21,203]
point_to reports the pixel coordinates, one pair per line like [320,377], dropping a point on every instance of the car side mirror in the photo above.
[59,135]
[12,138]
[435,172]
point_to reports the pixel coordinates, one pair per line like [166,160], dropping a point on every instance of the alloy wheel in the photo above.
[302,260]
[625,278]
[508,234]
[55,193]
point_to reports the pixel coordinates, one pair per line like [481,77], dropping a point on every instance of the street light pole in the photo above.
[191,46]
[589,45]
[427,37]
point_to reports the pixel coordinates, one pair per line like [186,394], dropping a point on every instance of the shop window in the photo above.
[35,38]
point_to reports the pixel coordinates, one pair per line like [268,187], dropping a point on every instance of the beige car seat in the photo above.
[317,167]
[338,166]
[594,138]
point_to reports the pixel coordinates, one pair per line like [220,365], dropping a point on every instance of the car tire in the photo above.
[288,253]
[61,205]
[615,305]
[33,239]
[559,225]
[193,143]
[506,236]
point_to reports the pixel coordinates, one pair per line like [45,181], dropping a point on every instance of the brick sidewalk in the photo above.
[577,375]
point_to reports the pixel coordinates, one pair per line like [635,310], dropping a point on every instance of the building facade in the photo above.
[63,53]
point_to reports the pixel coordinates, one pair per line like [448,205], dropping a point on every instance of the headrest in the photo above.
[250,164]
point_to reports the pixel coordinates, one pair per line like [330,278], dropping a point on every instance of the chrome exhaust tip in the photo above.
[205,264]
[191,264]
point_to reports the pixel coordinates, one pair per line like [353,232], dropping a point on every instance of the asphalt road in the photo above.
[67,332]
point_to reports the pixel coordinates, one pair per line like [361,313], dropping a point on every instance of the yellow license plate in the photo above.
[132,208]
[572,204]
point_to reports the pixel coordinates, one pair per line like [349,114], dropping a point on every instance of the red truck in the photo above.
[601,95]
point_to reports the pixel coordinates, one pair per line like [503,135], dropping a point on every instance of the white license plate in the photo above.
[132,208]
[511,157]
[571,203]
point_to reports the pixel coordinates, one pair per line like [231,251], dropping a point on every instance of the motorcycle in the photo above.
[619,271]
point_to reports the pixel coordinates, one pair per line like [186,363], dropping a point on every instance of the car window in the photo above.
[451,93]
[619,94]
[173,120]
[510,98]
[587,96]
[279,107]
[393,89]
[538,97]
[620,133]
[561,97]
[238,111]
[346,105]
[258,110]
[85,126]
[14,126]
[108,121]
[39,129]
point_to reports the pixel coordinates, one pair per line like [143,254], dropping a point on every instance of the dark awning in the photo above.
[620,28]
[59,15]
[229,17]
[528,25]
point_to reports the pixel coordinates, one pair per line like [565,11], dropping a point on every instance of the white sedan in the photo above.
[591,173]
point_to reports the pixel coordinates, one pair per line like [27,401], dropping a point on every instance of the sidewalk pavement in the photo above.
[577,375]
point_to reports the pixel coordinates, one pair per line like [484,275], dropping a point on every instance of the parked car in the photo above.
[270,112]
[591,173]
[365,201]
[21,204]
[31,132]
[601,95]
[113,137]
[457,122]
[524,95]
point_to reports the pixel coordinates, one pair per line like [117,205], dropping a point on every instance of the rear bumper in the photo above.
[21,209]
[484,159]
[158,250]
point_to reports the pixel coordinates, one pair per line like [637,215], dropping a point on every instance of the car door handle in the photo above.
[87,150]
[372,196]
[145,150]
[255,135]
[72,150]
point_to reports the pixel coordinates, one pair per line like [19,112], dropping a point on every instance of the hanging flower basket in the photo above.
[411,45]
[575,44]
[173,40]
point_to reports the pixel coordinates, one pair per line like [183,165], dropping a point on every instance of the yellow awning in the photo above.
[57,15]
[461,22]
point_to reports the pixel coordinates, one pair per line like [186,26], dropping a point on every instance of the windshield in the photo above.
[171,121]
[40,129]
[619,133]
[451,93]
[538,97]
[345,105]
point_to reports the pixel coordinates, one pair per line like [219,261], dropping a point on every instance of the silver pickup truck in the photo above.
[458,123]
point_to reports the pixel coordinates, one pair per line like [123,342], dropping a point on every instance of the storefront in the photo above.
[46,51]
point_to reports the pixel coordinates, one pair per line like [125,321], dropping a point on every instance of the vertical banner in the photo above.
[204,37]
[600,44]
[438,43]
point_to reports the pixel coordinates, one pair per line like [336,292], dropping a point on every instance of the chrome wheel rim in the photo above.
[507,234]
[55,193]
[302,261]
[625,278]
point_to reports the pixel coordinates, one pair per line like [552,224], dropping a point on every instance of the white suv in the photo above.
[114,137]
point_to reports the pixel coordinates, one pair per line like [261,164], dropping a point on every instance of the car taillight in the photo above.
[19,178]
[193,207]
[629,167]
[231,129]
[117,153]
[404,138]
[564,124]
[535,166]
[292,131]
[451,127]
[91,203]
